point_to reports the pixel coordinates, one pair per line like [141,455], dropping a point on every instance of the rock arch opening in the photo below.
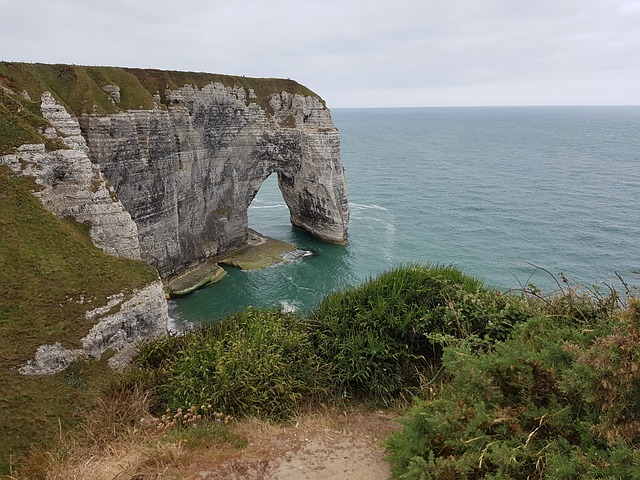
[268,212]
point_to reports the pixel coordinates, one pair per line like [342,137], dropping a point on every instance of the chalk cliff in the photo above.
[186,153]
[188,172]
[69,185]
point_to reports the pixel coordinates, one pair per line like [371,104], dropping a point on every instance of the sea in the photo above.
[511,195]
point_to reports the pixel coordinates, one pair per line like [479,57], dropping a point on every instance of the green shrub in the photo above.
[374,342]
[558,399]
[381,338]
[259,362]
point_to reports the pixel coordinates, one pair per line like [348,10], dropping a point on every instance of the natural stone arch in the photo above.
[311,180]
[188,174]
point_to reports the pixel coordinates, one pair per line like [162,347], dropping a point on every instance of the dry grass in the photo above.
[109,438]
[119,440]
[132,459]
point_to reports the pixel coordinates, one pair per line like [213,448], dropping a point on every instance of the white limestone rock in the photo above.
[50,359]
[141,316]
[113,91]
[64,124]
[187,174]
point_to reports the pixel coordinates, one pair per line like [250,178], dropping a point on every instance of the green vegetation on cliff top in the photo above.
[50,274]
[79,88]
[20,122]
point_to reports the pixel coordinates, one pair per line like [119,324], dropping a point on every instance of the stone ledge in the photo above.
[259,252]
[194,279]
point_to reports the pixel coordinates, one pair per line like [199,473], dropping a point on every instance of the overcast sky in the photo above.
[355,53]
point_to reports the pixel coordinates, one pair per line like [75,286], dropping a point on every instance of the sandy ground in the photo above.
[326,447]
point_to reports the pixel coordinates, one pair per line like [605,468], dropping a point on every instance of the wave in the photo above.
[178,326]
[369,207]
[297,254]
[277,205]
[288,307]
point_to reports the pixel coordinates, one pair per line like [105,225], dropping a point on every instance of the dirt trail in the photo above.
[317,448]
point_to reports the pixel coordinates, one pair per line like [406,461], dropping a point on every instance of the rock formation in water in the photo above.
[186,154]
[188,172]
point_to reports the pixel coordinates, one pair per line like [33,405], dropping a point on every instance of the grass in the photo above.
[259,362]
[382,337]
[157,81]
[119,438]
[374,343]
[47,265]
[79,88]
[20,121]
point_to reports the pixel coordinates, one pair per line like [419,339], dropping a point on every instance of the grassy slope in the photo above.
[20,120]
[46,264]
[80,87]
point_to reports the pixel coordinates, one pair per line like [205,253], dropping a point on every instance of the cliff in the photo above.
[71,186]
[186,153]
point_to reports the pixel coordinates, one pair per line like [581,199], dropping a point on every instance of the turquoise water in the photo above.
[495,191]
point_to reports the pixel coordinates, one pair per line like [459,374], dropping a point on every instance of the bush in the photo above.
[382,337]
[558,399]
[259,362]
[375,342]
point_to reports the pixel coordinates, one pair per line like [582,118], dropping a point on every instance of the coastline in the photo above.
[259,252]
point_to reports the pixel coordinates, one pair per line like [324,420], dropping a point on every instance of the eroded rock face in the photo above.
[71,186]
[188,173]
[172,186]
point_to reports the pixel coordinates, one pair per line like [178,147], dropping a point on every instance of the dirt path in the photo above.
[326,447]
